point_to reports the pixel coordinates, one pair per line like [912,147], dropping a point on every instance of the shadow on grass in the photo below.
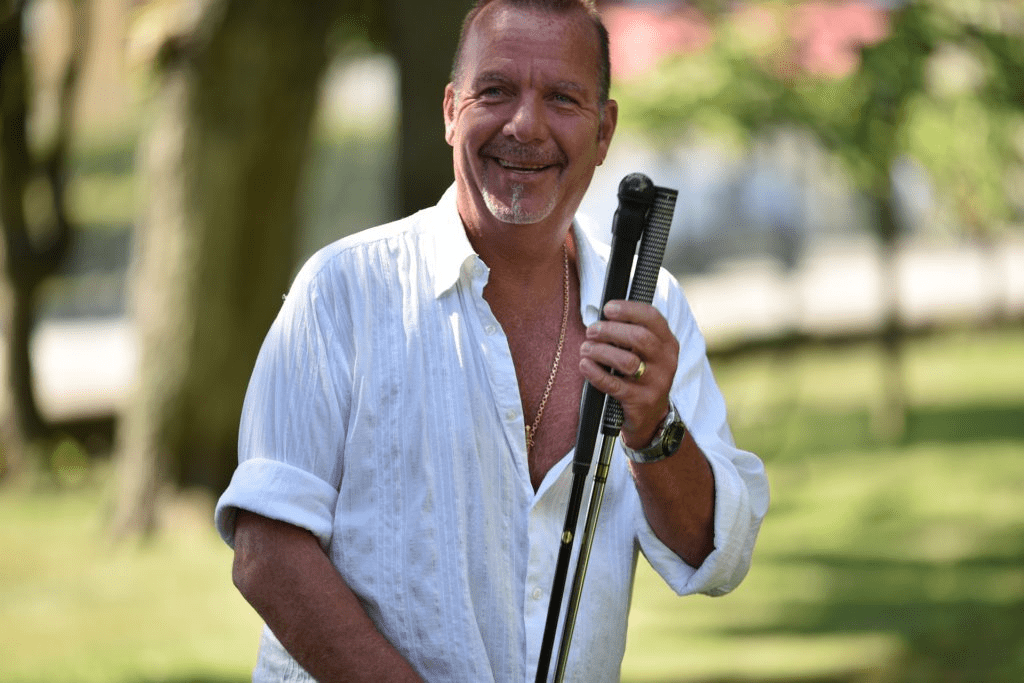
[966,423]
[819,433]
[959,622]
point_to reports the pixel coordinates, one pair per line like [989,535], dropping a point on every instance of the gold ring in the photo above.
[641,369]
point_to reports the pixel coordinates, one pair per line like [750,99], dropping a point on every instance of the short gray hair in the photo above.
[604,70]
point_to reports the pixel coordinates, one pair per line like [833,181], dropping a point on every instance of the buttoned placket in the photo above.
[547,510]
[500,369]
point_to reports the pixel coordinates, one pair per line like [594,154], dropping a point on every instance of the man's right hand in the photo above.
[286,576]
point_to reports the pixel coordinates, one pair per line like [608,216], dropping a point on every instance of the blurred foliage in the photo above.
[944,86]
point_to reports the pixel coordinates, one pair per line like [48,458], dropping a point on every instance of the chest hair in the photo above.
[533,342]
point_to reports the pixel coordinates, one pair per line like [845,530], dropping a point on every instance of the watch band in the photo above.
[666,440]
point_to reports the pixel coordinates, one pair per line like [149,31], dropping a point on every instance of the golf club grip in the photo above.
[636,196]
[645,278]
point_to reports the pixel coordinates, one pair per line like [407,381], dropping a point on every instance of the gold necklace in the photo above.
[532,428]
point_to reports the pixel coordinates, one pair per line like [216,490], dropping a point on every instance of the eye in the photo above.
[492,92]
[562,98]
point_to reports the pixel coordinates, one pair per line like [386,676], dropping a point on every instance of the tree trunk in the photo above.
[422,39]
[31,253]
[889,421]
[215,250]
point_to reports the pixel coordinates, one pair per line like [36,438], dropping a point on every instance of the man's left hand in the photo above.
[632,336]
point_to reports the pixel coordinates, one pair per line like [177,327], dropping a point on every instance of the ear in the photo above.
[449,112]
[607,129]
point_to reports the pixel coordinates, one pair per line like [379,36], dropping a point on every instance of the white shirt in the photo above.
[384,416]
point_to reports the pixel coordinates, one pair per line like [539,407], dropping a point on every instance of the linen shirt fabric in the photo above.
[384,416]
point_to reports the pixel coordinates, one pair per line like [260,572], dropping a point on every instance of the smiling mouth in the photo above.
[521,167]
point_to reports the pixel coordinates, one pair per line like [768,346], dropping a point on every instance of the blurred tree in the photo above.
[36,229]
[425,159]
[216,246]
[889,100]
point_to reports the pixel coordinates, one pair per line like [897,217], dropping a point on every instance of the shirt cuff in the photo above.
[669,566]
[278,491]
[736,525]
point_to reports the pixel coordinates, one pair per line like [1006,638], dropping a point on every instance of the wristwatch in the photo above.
[666,440]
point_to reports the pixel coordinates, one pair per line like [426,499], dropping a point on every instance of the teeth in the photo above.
[520,167]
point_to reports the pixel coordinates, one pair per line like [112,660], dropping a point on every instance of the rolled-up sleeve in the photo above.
[290,455]
[741,485]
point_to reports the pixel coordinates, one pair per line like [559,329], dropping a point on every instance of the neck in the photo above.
[522,275]
[524,253]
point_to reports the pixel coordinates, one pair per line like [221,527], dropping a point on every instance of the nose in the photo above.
[527,122]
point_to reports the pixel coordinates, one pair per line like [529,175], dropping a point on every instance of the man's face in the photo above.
[524,118]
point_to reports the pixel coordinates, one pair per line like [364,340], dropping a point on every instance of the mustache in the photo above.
[522,154]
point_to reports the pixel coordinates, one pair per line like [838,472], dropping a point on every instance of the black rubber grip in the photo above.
[645,278]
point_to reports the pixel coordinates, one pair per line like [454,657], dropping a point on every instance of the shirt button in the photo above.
[537,594]
[490,329]
[511,415]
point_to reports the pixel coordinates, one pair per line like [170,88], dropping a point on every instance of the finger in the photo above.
[606,382]
[643,405]
[638,374]
[638,313]
[623,361]
[631,336]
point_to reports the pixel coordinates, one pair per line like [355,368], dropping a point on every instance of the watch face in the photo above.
[673,437]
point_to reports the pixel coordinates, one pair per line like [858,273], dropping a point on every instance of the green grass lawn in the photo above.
[877,563]
[76,608]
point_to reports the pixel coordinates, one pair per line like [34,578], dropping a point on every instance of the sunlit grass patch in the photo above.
[76,608]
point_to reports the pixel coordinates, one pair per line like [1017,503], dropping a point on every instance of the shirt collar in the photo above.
[592,263]
[451,246]
[452,250]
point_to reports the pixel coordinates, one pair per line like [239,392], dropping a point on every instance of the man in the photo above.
[404,445]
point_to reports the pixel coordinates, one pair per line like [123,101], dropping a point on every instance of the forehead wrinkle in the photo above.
[501,77]
[492,77]
[571,86]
